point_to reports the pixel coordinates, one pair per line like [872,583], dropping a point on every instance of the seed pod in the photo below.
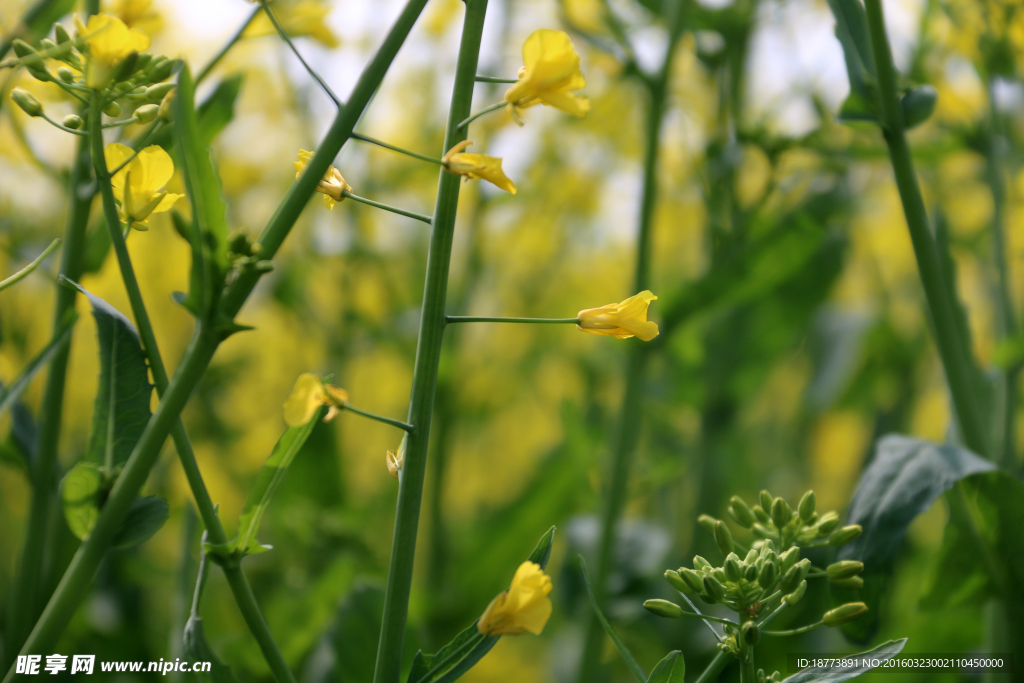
[663,608]
[751,634]
[741,512]
[760,514]
[677,582]
[846,535]
[733,571]
[61,34]
[714,588]
[852,582]
[768,575]
[781,513]
[795,596]
[708,522]
[751,573]
[827,524]
[789,558]
[844,613]
[694,580]
[723,538]
[147,113]
[806,507]
[700,564]
[158,91]
[29,104]
[72,121]
[844,569]
[766,500]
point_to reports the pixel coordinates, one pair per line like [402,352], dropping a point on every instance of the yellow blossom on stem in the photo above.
[477,166]
[523,608]
[622,320]
[332,186]
[138,14]
[139,185]
[298,19]
[108,41]
[550,73]
[310,392]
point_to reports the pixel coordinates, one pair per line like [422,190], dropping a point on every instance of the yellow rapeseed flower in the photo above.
[108,41]
[622,320]
[523,608]
[310,392]
[138,14]
[139,185]
[477,166]
[331,186]
[298,19]
[550,73]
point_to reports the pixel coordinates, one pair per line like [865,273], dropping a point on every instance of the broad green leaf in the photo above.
[145,517]
[470,646]
[9,395]
[672,669]
[122,399]
[198,650]
[267,481]
[217,110]
[882,653]
[350,647]
[857,108]
[634,668]
[81,493]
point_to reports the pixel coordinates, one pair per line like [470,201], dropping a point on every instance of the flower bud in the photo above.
[768,547]
[846,535]
[714,588]
[733,572]
[146,113]
[72,121]
[768,575]
[65,75]
[700,564]
[143,61]
[28,103]
[760,514]
[162,69]
[844,613]
[723,538]
[827,524]
[112,109]
[46,44]
[789,558]
[751,634]
[61,34]
[766,500]
[165,107]
[806,507]
[708,522]
[796,595]
[677,582]
[694,580]
[794,575]
[34,65]
[663,608]
[158,91]
[851,582]
[741,512]
[781,513]
[751,573]
[844,569]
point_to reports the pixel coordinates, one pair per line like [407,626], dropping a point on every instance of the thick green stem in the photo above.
[428,354]
[76,580]
[956,358]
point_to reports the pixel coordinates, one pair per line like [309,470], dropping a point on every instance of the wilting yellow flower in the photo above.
[108,41]
[477,166]
[139,185]
[623,320]
[298,19]
[310,392]
[523,608]
[331,186]
[138,14]
[551,71]
[395,462]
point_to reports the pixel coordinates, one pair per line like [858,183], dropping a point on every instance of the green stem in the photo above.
[239,586]
[27,270]
[227,47]
[380,418]
[485,319]
[717,665]
[794,631]
[428,354]
[487,110]
[287,39]
[956,358]
[393,148]
[401,212]
[707,617]
[74,584]
[62,127]
[494,79]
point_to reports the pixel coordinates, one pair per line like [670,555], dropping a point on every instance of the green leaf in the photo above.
[852,32]
[122,400]
[858,109]
[9,395]
[672,669]
[882,653]
[267,481]
[81,494]
[349,650]
[198,650]
[470,646]
[634,668]
[217,110]
[145,517]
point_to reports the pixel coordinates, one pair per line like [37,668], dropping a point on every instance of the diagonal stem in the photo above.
[27,270]
[227,46]
[286,38]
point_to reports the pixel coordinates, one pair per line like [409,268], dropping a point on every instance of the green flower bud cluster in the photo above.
[762,677]
[773,518]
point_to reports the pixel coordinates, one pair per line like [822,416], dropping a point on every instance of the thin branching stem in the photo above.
[794,631]
[286,38]
[393,148]
[27,270]
[227,46]
[487,110]
[486,319]
[494,79]
[380,418]
[387,207]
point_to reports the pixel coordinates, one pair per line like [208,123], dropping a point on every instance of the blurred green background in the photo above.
[793,332]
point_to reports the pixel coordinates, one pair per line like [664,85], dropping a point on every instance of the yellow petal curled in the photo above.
[477,166]
[308,395]
[332,185]
[623,320]
[523,608]
[550,73]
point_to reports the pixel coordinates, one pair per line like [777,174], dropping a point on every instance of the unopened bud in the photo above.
[61,34]
[663,608]
[844,569]
[28,103]
[768,575]
[751,573]
[694,580]
[844,613]
[796,595]
[752,556]
[714,588]
[846,535]
[789,558]
[677,582]
[751,633]
[165,107]
[146,113]
[126,68]
[700,564]
[732,568]
[760,514]
[766,500]
[827,524]
[112,109]
[723,538]
[46,44]
[781,513]
[158,91]
[741,512]
[143,61]
[806,507]
[161,70]
[851,582]
[72,121]
[66,75]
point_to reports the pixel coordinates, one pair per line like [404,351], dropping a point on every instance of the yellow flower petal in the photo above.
[298,19]
[551,71]
[145,176]
[523,608]
[623,320]
[306,398]
[481,166]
